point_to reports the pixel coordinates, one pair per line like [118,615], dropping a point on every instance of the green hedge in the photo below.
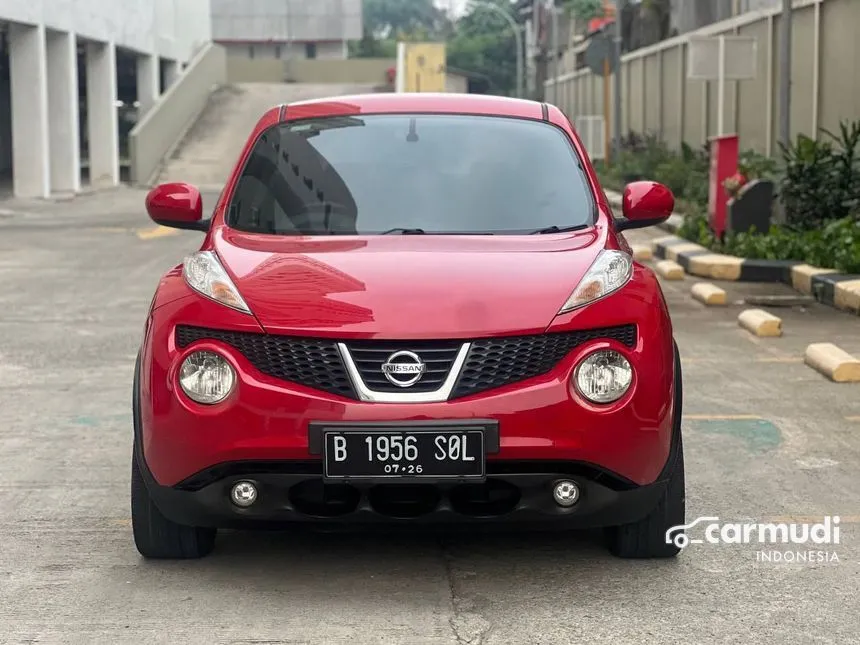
[836,245]
[818,183]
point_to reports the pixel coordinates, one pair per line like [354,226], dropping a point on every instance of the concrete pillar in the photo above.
[171,72]
[29,84]
[102,118]
[63,123]
[148,82]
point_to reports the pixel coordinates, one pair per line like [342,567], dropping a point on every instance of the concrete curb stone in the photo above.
[833,362]
[760,323]
[708,294]
[669,270]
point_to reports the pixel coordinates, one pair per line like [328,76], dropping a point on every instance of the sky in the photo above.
[455,6]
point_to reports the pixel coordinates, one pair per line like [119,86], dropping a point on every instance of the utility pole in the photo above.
[541,72]
[554,47]
[616,112]
[785,74]
[518,37]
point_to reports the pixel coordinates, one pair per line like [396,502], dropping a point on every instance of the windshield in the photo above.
[411,173]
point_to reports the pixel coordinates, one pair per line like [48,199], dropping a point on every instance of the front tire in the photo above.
[646,538]
[157,537]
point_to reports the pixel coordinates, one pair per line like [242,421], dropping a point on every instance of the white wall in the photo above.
[170,28]
[285,51]
[286,20]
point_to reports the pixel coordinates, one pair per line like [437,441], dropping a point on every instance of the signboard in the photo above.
[600,55]
[724,164]
[721,59]
[421,67]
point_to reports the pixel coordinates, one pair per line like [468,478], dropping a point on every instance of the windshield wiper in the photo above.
[559,229]
[404,231]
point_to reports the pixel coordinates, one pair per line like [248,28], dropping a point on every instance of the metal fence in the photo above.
[658,97]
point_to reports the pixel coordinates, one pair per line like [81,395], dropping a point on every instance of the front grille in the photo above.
[438,356]
[494,362]
[490,363]
[311,362]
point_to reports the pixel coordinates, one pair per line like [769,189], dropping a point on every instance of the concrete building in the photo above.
[69,71]
[286,29]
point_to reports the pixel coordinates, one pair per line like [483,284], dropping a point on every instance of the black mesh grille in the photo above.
[438,356]
[491,362]
[311,362]
[494,362]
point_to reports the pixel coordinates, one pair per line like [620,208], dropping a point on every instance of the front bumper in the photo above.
[514,492]
[541,419]
[293,492]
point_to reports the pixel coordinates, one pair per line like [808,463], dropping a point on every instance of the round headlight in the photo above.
[603,377]
[206,377]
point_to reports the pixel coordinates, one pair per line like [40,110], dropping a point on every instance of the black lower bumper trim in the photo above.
[505,497]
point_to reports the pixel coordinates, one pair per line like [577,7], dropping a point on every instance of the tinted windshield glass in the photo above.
[436,173]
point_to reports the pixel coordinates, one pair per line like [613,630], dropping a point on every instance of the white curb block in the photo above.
[709,294]
[835,363]
[760,323]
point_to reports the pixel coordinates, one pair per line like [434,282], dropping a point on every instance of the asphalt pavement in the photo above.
[766,438]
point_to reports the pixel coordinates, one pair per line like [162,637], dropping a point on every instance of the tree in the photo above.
[483,42]
[387,21]
[480,41]
[385,18]
[370,47]
[584,9]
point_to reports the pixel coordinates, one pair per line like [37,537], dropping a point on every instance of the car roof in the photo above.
[394,103]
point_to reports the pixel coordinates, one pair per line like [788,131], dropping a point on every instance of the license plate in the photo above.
[416,454]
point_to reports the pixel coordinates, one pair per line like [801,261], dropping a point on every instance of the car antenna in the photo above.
[412,137]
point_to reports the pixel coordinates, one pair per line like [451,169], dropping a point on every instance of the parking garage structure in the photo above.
[75,75]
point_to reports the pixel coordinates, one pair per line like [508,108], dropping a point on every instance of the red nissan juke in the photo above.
[415,309]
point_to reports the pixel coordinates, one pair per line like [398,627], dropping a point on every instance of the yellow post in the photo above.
[425,65]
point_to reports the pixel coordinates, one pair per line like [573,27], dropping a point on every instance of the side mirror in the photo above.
[645,203]
[177,205]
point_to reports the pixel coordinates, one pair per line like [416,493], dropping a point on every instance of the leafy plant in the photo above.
[695,228]
[847,163]
[584,9]
[753,165]
[821,180]
[820,186]
[835,246]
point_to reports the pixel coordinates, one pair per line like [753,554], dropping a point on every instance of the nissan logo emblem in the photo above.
[403,368]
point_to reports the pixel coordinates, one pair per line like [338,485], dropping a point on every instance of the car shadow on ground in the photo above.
[333,548]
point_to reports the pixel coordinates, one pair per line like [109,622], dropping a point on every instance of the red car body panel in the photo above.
[360,287]
[543,418]
[378,286]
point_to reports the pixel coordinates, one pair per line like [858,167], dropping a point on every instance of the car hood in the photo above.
[406,286]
